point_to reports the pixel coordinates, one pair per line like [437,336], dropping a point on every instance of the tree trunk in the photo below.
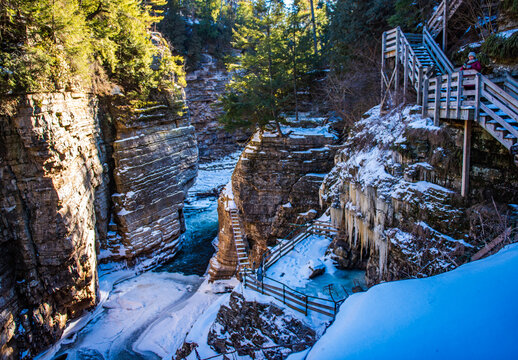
[314,27]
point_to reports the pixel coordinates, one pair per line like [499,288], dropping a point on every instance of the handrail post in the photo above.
[396,80]
[477,96]
[306,298]
[283,294]
[437,110]
[419,82]
[425,97]
[383,46]
[405,80]
[460,87]
[262,285]
[448,94]
[445,26]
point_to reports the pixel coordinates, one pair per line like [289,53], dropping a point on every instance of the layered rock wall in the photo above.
[204,87]
[155,157]
[274,185]
[50,169]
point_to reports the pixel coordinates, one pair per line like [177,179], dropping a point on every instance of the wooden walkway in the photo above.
[292,298]
[261,283]
[286,245]
[496,244]
[444,93]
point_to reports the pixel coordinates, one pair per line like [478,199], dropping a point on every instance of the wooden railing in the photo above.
[441,60]
[396,44]
[294,299]
[495,244]
[450,95]
[441,15]
[301,233]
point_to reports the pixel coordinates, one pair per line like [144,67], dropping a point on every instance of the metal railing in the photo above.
[292,298]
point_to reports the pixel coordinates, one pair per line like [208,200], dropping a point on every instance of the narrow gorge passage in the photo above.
[135,306]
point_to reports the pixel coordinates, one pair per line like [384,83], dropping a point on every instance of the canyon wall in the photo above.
[394,192]
[204,87]
[50,169]
[274,185]
[67,167]
[155,158]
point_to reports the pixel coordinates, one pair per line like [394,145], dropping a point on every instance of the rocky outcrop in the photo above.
[155,157]
[249,326]
[50,174]
[395,189]
[275,184]
[204,87]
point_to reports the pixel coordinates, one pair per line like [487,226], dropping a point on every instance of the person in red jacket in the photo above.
[472,63]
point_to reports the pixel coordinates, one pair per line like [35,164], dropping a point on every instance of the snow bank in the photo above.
[468,313]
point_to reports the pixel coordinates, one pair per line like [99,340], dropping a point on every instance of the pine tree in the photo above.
[258,93]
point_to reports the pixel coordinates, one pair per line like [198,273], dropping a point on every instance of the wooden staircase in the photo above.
[442,14]
[243,263]
[444,93]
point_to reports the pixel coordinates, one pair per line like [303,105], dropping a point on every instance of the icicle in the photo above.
[336,216]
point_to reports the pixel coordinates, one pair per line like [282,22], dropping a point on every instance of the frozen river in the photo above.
[147,315]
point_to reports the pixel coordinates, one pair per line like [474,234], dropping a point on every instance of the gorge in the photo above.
[219,179]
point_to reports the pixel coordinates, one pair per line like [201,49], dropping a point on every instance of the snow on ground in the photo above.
[295,268]
[200,329]
[467,313]
[147,312]
[213,174]
[168,334]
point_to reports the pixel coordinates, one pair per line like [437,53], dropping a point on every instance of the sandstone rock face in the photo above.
[223,266]
[249,326]
[50,175]
[394,191]
[204,87]
[156,159]
[275,184]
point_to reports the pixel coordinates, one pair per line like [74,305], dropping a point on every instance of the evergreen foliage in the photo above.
[356,25]
[500,48]
[276,59]
[511,6]
[51,45]
[194,26]
[411,15]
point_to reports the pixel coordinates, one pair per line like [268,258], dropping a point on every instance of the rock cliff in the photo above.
[274,185]
[394,191]
[66,168]
[155,158]
[50,170]
[204,87]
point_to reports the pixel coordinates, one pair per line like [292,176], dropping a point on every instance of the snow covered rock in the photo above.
[394,191]
[275,184]
[249,326]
